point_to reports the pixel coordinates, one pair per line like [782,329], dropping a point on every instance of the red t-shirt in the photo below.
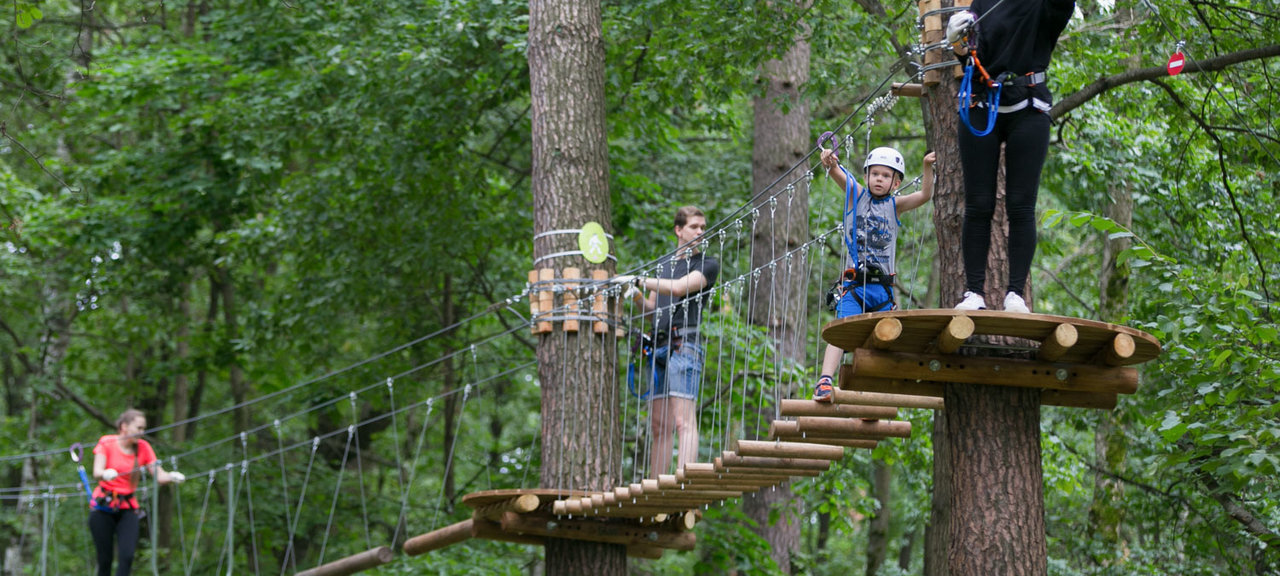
[125,464]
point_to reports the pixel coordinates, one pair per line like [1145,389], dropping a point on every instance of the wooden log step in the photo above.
[440,538]
[855,396]
[934,390]
[775,449]
[841,428]
[792,407]
[834,442]
[522,504]
[1058,342]
[733,459]
[351,564]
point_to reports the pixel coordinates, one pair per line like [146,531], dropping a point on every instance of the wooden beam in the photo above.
[959,329]
[439,538]
[599,303]
[857,397]
[854,428]
[546,298]
[1058,343]
[570,303]
[734,459]
[522,504]
[994,371]
[845,442]
[1118,351]
[594,531]
[787,449]
[901,89]
[351,564]
[934,391]
[885,333]
[490,530]
[795,407]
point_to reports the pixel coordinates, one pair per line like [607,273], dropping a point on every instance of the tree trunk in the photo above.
[997,522]
[878,537]
[781,138]
[937,533]
[581,442]
[239,388]
[1107,511]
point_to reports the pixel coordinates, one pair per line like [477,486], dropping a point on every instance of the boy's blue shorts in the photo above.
[865,298]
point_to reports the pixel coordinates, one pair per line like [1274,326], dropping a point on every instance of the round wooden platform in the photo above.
[920,330]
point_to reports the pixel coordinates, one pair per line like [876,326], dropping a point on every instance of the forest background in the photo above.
[207,203]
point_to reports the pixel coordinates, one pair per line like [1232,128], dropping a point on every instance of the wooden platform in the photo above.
[1076,362]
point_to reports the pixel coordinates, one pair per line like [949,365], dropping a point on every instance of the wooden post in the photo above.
[600,304]
[352,564]
[534,292]
[1058,343]
[439,538]
[546,299]
[570,303]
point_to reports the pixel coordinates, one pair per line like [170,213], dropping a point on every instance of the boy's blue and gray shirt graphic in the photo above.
[870,227]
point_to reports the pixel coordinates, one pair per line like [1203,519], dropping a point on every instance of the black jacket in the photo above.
[1018,36]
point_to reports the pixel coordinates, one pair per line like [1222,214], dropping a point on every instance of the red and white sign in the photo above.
[1176,62]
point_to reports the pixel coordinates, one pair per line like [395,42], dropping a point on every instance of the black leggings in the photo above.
[1025,134]
[121,526]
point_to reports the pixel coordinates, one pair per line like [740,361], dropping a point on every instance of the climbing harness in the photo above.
[966,94]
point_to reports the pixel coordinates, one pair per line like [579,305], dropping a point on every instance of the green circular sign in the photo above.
[593,243]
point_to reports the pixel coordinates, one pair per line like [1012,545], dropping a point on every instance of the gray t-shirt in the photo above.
[870,225]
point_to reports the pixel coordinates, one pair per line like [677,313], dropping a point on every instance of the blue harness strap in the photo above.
[965,98]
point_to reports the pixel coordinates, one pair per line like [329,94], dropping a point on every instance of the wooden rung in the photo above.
[439,538]
[907,90]
[857,397]
[546,298]
[351,564]
[765,471]
[833,442]
[730,477]
[625,534]
[959,329]
[854,428]
[522,504]
[570,304]
[1118,351]
[932,391]
[793,407]
[600,304]
[994,371]
[775,449]
[734,460]
[533,299]
[885,333]
[1058,343]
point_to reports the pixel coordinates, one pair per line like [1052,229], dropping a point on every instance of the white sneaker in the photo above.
[1014,303]
[972,301]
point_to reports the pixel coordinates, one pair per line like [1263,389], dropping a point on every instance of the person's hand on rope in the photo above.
[830,160]
[177,477]
[631,282]
[958,28]
[109,474]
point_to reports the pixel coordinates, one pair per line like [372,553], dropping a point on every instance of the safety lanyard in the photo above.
[966,97]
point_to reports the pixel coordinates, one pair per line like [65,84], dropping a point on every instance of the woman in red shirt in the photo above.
[118,462]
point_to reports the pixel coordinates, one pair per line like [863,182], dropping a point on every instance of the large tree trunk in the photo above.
[878,536]
[781,138]
[1106,513]
[239,388]
[581,441]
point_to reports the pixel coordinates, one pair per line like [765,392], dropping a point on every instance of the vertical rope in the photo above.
[245,481]
[293,526]
[229,542]
[395,442]
[44,532]
[195,543]
[284,484]
[364,509]
[448,465]
[182,529]
[413,473]
[337,490]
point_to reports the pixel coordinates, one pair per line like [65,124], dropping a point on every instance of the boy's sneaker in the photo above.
[972,301]
[1014,303]
[824,390]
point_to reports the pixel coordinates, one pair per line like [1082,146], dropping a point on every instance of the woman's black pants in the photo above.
[120,527]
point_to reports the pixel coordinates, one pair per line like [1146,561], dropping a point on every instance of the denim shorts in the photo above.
[865,298]
[677,374]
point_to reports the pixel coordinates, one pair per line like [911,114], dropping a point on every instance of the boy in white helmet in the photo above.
[871,237]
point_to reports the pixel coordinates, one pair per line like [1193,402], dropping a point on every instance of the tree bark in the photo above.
[239,388]
[781,139]
[581,442]
[997,522]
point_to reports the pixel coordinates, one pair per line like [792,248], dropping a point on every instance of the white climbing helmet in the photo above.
[886,156]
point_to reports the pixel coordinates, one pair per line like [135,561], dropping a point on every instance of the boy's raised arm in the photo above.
[919,198]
